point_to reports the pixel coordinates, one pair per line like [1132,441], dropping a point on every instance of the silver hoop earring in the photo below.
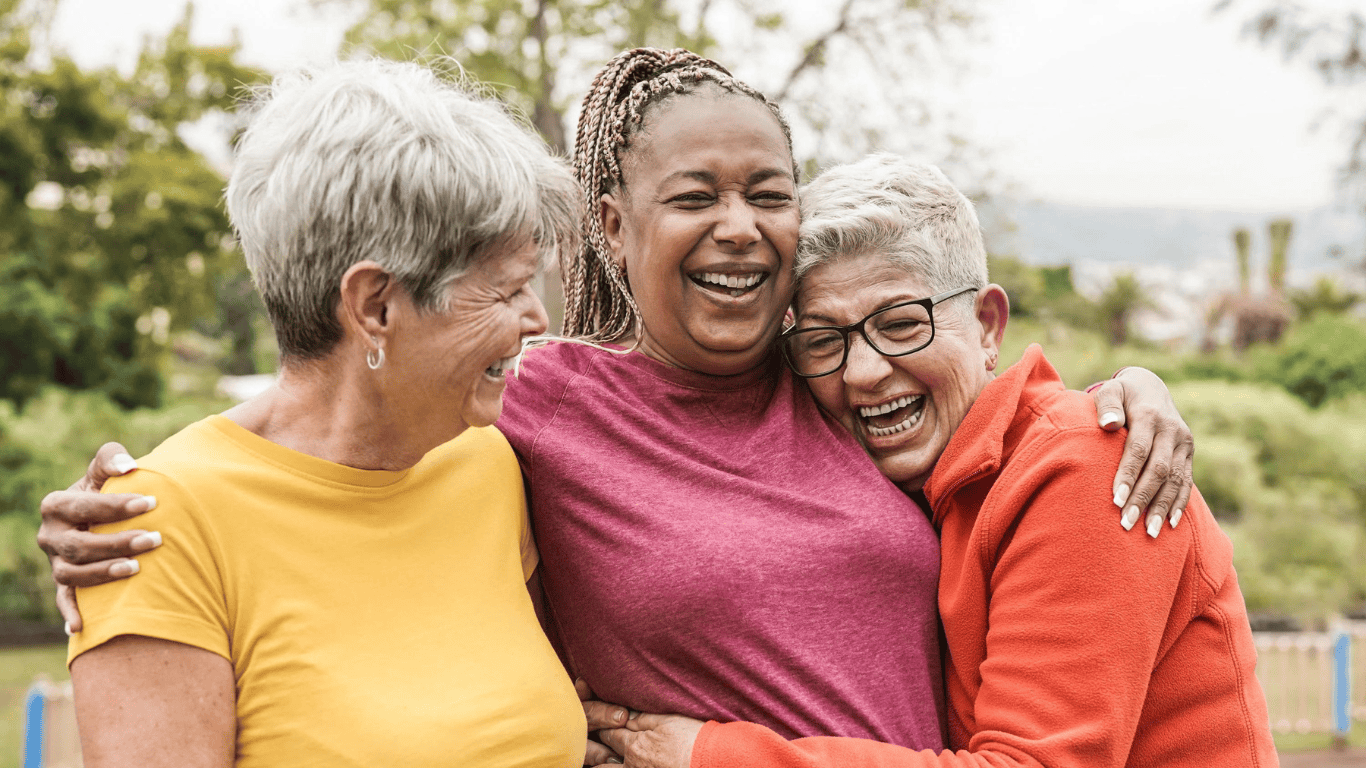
[374,360]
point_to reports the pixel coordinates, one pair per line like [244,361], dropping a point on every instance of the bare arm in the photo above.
[148,703]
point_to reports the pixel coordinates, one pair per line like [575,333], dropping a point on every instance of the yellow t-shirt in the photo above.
[372,618]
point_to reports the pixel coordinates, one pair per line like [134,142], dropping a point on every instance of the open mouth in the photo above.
[499,369]
[892,417]
[737,284]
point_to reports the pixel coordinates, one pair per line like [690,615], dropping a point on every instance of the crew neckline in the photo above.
[682,377]
[310,466]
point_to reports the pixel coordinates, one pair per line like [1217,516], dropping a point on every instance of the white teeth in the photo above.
[498,368]
[878,410]
[907,423]
[730,281]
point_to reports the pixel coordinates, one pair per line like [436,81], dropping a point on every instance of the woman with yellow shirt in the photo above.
[392,223]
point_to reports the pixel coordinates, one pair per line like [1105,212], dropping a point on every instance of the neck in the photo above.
[334,412]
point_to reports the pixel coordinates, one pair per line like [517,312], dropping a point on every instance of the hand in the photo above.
[599,715]
[83,559]
[655,741]
[1154,478]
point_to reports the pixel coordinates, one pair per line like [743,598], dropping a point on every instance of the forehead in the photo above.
[707,130]
[845,289]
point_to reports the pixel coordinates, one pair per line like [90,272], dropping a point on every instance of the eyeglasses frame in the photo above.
[846,330]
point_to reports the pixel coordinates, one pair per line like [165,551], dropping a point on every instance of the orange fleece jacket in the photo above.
[1071,643]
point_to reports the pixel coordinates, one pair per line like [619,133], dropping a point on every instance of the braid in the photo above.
[598,302]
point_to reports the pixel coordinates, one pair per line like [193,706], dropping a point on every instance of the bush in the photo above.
[46,446]
[1289,484]
[1320,360]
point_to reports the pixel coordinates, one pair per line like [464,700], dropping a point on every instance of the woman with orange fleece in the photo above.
[1065,645]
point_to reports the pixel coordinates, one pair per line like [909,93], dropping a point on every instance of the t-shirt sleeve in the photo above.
[530,400]
[178,593]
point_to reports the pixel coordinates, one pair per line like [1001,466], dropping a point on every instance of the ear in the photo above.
[612,214]
[367,294]
[993,312]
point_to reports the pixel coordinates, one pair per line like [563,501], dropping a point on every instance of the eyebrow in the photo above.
[824,320]
[707,177]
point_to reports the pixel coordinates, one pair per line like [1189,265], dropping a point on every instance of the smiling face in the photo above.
[705,226]
[459,357]
[904,409]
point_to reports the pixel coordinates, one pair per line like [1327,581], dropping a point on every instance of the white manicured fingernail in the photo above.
[146,541]
[142,504]
[1176,517]
[123,463]
[66,627]
[124,568]
[1130,517]
[1109,418]
[1154,525]
[1121,495]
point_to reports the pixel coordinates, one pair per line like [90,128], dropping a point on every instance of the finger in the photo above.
[83,547]
[93,574]
[74,508]
[645,721]
[66,605]
[599,754]
[1162,507]
[1109,400]
[601,715]
[1155,473]
[111,460]
[1183,495]
[618,739]
[1137,447]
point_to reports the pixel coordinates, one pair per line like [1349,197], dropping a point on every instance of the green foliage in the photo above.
[46,446]
[1289,484]
[521,50]
[1319,360]
[1325,297]
[111,231]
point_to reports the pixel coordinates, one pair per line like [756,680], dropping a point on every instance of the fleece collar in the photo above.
[992,427]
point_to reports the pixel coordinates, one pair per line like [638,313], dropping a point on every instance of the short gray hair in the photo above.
[906,211]
[391,162]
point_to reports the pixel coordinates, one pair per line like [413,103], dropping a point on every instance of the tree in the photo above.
[111,231]
[1117,306]
[540,55]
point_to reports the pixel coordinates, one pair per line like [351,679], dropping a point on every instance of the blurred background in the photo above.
[1178,184]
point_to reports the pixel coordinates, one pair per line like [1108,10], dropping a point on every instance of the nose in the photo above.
[534,319]
[738,226]
[865,367]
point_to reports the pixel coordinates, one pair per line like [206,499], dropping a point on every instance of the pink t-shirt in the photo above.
[715,547]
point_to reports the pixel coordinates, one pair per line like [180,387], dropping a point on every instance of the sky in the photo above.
[1151,103]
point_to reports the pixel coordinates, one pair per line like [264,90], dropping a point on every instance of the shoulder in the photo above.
[184,465]
[536,390]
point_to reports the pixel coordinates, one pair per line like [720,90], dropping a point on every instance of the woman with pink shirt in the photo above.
[711,544]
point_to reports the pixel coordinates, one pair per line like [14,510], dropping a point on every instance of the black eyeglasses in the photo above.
[891,331]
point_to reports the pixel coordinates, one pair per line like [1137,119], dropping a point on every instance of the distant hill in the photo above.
[1183,257]
[1054,233]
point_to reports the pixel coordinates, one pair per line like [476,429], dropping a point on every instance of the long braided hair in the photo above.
[598,302]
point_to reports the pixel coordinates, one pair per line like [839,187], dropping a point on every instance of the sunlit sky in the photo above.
[1156,103]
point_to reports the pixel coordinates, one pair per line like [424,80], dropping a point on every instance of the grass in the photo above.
[1313,742]
[18,666]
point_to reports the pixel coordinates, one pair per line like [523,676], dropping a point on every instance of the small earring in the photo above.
[374,357]
[991,363]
